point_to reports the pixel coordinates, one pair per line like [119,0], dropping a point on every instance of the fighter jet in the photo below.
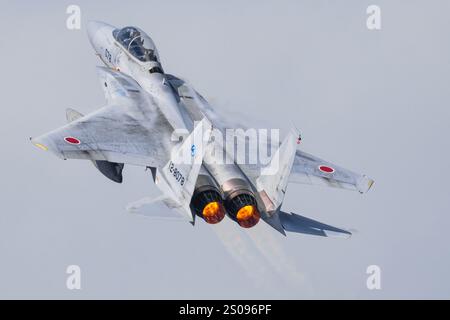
[160,122]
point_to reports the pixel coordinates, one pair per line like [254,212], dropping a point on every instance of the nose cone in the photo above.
[93,29]
[97,31]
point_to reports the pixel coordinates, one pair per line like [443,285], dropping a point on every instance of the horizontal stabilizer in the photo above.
[158,208]
[295,223]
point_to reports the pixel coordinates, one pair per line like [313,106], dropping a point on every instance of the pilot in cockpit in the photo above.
[137,43]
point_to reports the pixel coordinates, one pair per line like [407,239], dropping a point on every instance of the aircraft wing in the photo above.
[128,130]
[308,169]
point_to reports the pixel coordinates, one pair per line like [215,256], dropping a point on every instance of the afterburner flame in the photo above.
[248,216]
[213,212]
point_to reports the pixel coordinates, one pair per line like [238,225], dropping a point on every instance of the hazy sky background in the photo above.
[376,102]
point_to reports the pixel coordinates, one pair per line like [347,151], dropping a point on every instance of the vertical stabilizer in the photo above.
[272,183]
[178,177]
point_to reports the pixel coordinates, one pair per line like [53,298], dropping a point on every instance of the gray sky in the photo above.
[376,102]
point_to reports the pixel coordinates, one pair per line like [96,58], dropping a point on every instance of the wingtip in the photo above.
[365,184]
[344,234]
[370,184]
[38,144]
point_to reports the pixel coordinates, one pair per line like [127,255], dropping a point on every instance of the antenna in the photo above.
[297,131]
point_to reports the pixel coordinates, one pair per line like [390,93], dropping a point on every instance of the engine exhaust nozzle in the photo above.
[240,203]
[207,202]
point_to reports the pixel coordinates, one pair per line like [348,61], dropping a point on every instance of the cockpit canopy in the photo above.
[137,43]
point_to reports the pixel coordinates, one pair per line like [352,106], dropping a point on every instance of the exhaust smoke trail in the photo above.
[272,249]
[243,253]
[262,256]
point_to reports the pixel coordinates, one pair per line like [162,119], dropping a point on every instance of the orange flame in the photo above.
[213,212]
[248,216]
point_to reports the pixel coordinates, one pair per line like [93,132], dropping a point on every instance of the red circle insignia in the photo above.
[72,140]
[326,169]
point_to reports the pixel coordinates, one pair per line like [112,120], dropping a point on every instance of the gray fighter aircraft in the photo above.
[158,121]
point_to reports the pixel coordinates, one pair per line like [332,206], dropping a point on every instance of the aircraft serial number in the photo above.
[176,174]
[108,56]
